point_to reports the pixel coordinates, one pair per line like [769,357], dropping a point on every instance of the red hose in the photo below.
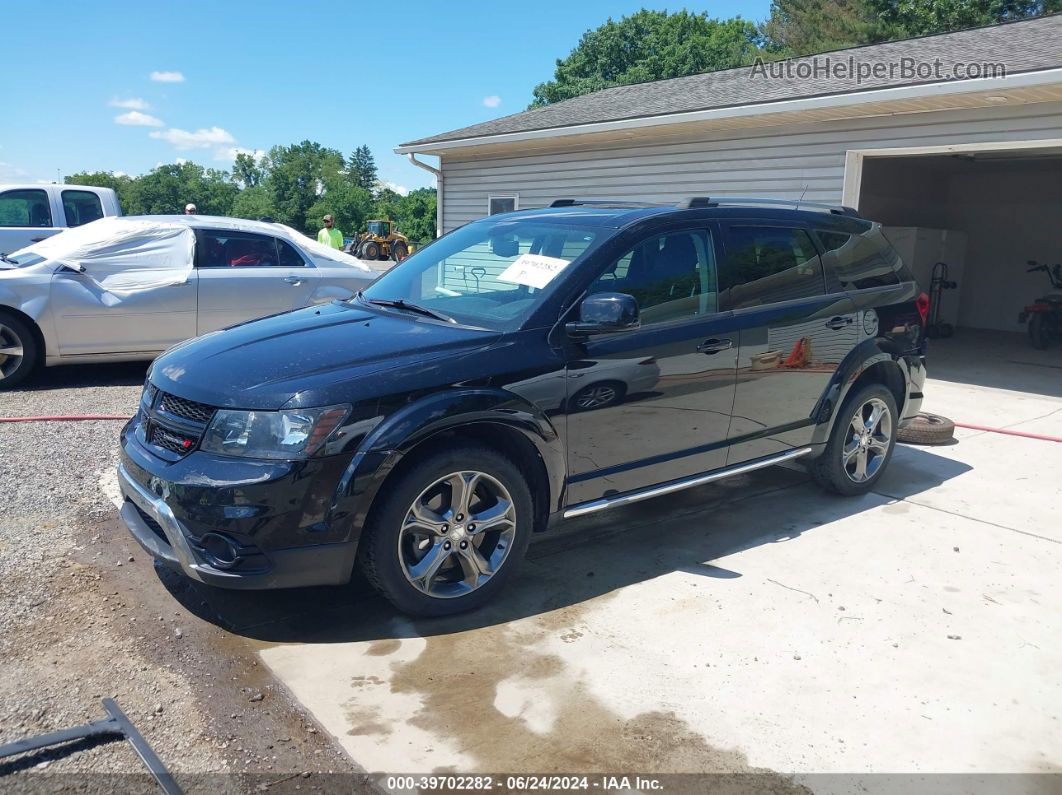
[64,418]
[1006,432]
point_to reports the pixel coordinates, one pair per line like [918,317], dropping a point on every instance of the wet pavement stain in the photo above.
[460,676]
[382,648]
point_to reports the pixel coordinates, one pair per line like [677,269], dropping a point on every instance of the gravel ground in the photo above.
[85,615]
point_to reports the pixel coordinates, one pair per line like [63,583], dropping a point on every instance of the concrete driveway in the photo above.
[755,624]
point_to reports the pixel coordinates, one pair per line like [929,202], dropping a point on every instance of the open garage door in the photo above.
[984,213]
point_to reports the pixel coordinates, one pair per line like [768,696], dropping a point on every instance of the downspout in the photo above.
[438,190]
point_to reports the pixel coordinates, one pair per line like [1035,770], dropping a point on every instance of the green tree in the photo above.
[298,176]
[254,203]
[905,18]
[650,45]
[246,171]
[168,188]
[349,204]
[805,27]
[415,215]
[362,168]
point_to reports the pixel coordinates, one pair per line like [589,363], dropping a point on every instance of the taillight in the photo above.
[922,302]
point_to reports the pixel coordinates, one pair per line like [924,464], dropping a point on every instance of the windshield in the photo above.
[379,228]
[491,273]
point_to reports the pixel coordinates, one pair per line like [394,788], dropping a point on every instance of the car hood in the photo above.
[313,356]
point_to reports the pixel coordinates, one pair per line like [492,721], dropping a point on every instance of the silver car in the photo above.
[123,289]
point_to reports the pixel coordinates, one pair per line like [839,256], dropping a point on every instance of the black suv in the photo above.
[527,367]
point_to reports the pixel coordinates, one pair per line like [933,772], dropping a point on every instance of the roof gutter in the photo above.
[438,190]
[849,99]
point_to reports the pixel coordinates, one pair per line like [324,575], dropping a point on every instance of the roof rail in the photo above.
[602,203]
[696,202]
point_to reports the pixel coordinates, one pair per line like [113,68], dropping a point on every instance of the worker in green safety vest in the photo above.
[330,236]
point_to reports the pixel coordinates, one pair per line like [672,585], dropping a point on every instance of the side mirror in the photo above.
[76,267]
[605,313]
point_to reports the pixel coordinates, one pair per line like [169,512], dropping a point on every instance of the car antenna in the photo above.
[801,196]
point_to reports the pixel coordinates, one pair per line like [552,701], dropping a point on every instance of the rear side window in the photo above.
[289,257]
[765,265]
[25,208]
[218,248]
[860,261]
[81,207]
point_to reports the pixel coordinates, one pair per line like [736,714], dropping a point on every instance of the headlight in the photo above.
[298,433]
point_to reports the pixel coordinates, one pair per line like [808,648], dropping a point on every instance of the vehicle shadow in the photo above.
[578,561]
[68,376]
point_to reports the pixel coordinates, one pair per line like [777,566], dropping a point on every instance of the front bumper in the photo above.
[236,524]
[154,526]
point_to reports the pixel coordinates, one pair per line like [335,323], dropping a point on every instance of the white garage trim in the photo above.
[853,159]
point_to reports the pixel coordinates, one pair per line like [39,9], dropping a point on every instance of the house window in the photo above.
[503,204]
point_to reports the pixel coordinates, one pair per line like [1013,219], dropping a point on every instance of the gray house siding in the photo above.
[783,162]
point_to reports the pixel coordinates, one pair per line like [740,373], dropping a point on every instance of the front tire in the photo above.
[860,444]
[449,533]
[19,353]
[1039,331]
[370,250]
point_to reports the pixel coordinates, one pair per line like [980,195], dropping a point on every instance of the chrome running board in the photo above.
[656,491]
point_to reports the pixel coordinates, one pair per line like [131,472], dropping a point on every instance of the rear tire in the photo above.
[1039,331]
[422,549]
[19,351]
[399,251]
[860,444]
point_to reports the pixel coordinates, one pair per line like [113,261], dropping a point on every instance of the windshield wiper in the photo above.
[399,303]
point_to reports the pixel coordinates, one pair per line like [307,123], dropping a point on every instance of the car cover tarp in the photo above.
[123,256]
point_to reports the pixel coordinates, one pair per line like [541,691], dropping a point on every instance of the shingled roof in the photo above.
[1024,46]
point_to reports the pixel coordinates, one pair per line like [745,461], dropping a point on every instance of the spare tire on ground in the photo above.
[927,429]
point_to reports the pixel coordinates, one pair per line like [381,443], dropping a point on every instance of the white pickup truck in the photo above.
[29,213]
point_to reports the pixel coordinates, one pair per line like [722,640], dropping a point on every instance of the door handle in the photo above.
[838,323]
[294,281]
[714,346]
[36,239]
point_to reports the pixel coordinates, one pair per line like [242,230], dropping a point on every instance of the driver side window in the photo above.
[671,275]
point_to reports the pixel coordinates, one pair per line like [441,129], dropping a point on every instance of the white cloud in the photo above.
[135,118]
[183,140]
[401,190]
[132,103]
[492,101]
[119,174]
[230,152]
[167,77]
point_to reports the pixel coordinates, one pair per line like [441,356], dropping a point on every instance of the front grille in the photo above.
[174,442]
[186,409]
[173,425]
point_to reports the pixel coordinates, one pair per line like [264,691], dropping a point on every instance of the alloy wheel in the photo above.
[595,397]
[457,534]
[11,351]
[867,441]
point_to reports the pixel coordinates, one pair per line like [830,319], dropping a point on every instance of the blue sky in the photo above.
[123,87]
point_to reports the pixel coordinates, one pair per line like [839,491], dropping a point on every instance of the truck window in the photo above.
[81,207]
[25,208]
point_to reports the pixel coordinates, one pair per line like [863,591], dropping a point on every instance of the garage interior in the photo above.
[984,214]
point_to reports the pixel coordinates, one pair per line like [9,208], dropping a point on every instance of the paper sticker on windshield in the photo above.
[533,270]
